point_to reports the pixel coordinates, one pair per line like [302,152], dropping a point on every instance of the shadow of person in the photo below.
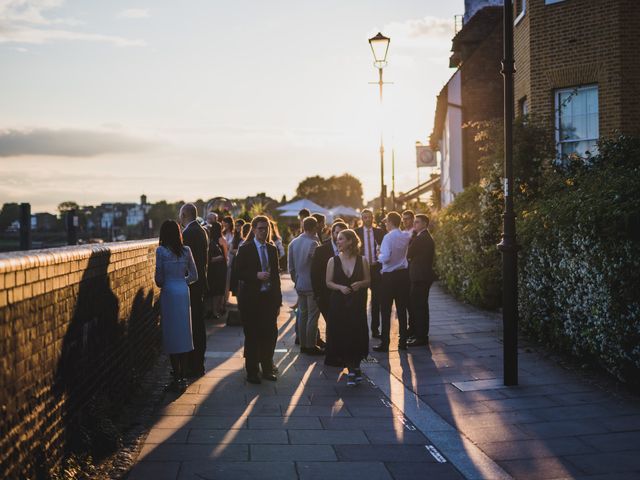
[88,373]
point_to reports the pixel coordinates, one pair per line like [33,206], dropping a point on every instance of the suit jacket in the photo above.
[378,235]
[195,237]
[247,265]
[420,256]
[319,262]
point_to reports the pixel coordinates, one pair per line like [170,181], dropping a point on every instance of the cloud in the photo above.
[424,32]
[134,13]
[27,22]
[68,143]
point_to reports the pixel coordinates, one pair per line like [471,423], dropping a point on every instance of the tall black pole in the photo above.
[508,245]
[383,193]
[25,226]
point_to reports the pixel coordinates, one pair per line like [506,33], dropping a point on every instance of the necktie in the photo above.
[264,261]
[372,248]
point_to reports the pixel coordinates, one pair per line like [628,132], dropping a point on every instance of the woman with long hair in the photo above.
[347,330]
[175,271]
[217,273]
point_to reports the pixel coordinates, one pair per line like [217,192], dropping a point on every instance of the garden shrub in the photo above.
[580,262]
[579,232]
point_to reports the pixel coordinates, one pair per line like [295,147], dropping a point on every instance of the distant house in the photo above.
[577,68]
[473,93]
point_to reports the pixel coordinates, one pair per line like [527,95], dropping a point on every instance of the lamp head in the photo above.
[379,46]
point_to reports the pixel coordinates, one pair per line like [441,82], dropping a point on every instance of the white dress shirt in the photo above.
[393,251]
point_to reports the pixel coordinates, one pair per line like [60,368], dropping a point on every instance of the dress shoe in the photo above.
[253,379]
[269,376]
[381,348]
[375,335]
[416,342]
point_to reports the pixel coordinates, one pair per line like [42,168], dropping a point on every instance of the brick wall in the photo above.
[75,322]
[573,43]
[482,94]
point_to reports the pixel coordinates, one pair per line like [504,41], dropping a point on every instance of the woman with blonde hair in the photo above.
[347,330]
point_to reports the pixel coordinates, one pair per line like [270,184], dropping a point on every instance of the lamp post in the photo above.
[508,245]
[379,47]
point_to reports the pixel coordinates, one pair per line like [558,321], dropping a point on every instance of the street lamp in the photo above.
[508,245]
[380,47]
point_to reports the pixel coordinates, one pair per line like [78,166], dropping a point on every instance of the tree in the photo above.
[64,207]
[161,211]
[330,192]
[10,213]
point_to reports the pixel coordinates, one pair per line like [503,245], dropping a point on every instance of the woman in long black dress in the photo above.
[217,276]
[347,329]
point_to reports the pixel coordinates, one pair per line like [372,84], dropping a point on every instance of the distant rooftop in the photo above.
[471,7]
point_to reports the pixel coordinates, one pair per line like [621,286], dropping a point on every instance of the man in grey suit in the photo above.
[300,256]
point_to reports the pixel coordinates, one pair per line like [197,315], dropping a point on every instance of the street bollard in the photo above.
[72,227]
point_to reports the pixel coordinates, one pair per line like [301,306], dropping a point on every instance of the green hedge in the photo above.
[579,229]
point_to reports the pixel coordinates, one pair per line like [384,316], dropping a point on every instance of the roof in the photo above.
[441,113]
[298,205]
[473,33]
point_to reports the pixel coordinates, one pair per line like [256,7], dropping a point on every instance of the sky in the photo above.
[104,101]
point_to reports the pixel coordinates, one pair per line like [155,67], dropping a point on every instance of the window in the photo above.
[521,9]
[523,106]
[577,129]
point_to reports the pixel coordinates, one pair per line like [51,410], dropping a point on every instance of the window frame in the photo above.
[557,111]
[522,13]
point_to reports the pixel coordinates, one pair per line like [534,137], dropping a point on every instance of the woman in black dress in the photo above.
[217,276]
[347,329]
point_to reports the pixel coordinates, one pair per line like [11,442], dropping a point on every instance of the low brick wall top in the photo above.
[25,274]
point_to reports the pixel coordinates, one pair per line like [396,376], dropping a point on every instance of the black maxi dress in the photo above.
[217,274]
[347,329]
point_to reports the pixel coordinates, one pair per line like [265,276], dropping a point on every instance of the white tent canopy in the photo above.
[299,205]
[342,211]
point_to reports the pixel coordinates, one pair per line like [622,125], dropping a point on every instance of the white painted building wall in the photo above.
[451,145]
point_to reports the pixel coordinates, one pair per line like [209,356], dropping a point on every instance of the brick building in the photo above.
[577,68]
[474,93]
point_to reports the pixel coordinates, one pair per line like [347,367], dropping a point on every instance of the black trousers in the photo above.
[374,286]
[394,288]
[419,310]
[260,333]
[198,331]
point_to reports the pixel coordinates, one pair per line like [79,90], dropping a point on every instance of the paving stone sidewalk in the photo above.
[437,412]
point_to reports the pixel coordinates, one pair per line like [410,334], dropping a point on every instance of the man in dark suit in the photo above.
[420,256]
[321,257]
[259,300]
[195,237]
[371,238]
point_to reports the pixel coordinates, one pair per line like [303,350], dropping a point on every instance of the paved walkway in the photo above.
[438,413]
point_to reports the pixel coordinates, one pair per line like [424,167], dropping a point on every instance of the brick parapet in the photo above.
[75,322]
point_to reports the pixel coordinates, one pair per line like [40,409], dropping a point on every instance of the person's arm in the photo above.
[159,276]
[364,283]
[385,250]
[291,262]
[224,246]
[192,271]
[334,286]
[316,272]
